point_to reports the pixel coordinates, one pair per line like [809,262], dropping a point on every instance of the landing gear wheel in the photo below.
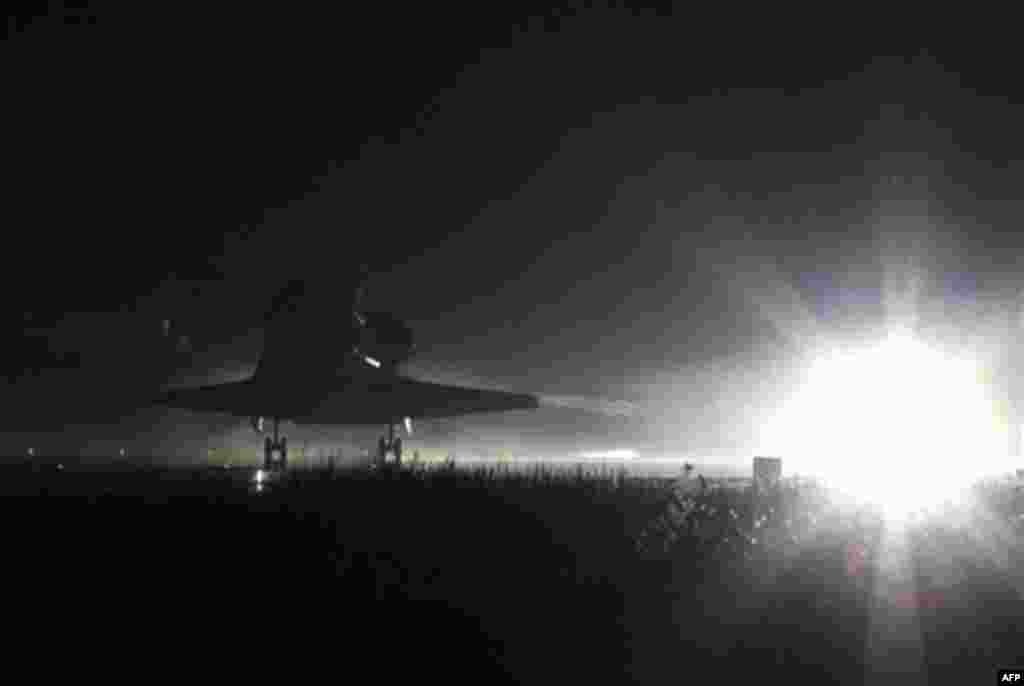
[284,452]
[397,448]
[268,453]
[382,450]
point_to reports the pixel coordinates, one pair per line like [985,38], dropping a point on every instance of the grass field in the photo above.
[509,576]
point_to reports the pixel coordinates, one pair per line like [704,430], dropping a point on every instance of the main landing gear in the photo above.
[275,450]
[390,444]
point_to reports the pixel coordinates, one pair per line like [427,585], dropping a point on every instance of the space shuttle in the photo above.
[328,361]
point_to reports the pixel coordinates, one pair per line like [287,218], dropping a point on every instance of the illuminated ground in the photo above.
[552,575]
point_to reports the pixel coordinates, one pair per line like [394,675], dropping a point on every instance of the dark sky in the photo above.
[608,205]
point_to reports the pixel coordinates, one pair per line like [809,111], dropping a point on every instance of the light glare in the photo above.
[624,454]
[899,424]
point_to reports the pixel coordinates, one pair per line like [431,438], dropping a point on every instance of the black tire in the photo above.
[268,452]
[397,447]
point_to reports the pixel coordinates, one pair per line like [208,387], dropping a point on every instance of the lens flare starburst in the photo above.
[898,424]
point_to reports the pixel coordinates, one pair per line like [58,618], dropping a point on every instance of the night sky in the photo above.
[614,209]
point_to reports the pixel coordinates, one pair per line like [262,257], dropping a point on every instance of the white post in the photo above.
[1016,326]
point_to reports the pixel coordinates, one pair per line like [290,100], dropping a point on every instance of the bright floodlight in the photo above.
[371,361]
[899,424]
